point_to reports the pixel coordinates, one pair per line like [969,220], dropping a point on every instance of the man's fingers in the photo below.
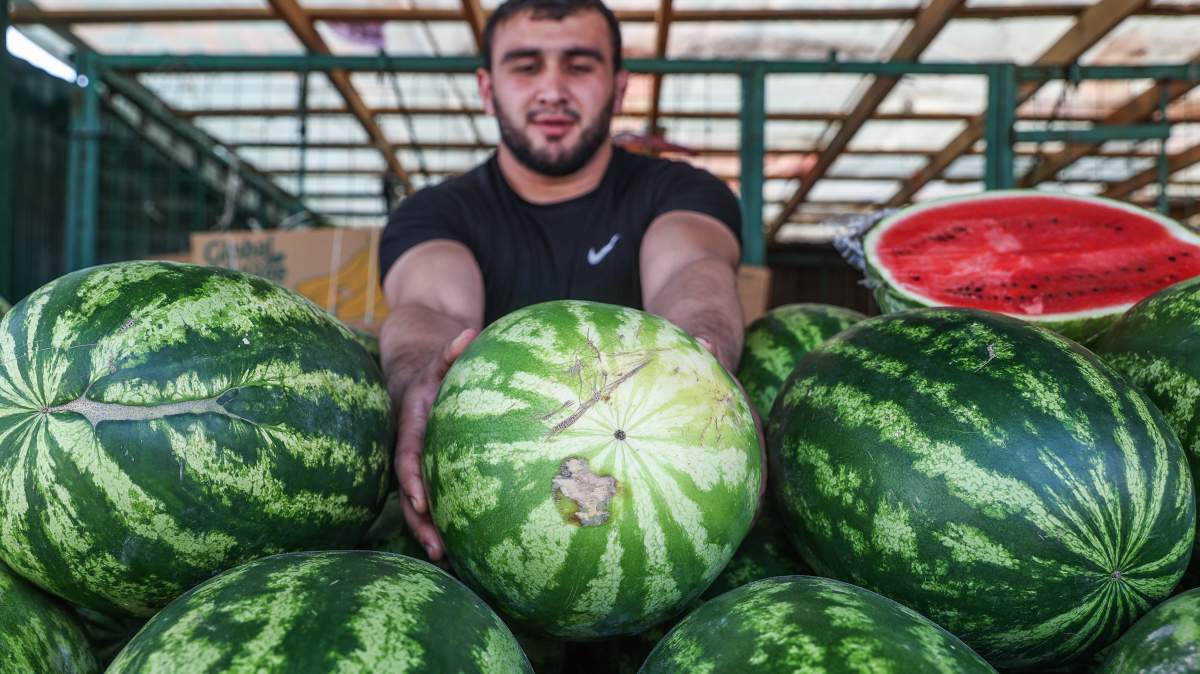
[422,528]
[451,352]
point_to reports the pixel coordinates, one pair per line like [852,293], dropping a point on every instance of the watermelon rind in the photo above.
[1081,326]
[591,468]
[995,477]
[801,624]
[1155,344]
[777,340]
[1165,641]
[37,633]
[334,611]
[161,422]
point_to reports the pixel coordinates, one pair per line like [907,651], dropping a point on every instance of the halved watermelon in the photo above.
[1071,263]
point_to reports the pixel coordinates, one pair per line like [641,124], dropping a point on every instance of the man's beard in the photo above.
[551,162]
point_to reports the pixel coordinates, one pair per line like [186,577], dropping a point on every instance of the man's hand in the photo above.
[759,427]
[410,448]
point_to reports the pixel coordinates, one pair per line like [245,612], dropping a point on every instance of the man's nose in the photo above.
[552,88]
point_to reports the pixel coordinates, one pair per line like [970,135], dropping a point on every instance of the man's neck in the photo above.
[539,188]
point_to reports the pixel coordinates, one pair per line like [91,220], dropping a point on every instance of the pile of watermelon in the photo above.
[196,472]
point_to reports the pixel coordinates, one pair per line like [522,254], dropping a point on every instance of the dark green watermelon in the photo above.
[988,473]
[342,611]
[1165,641]
[162,422]
[1155,343]
[37,634]
[806,624]
[776,341]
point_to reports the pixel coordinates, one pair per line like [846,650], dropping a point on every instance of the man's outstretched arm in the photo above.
[689,266]
[434,293]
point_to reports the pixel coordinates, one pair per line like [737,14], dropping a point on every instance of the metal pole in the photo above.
[998,126]
[6,212]
[753,122]
[89,159]
[1164,101]
[303,103]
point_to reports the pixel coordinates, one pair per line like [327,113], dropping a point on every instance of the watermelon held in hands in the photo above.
[776,341]
[990,474]
[1068,262]
[37,634]
[1165,641]
[339,611]
[805,624]
[162,422]
[591,468]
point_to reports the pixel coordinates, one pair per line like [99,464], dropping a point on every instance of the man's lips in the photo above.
[554,126]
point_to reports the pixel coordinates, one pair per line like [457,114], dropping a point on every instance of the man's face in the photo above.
[552,89]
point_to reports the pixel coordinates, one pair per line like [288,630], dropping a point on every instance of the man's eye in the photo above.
[580,68]
[525,69]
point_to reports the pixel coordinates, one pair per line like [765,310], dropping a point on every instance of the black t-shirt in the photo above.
[585,248]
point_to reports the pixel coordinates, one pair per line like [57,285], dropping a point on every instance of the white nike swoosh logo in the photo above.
[594,256]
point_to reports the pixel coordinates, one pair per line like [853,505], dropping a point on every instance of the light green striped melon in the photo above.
[349,612]
[37,634]
[162,422]
[591,468]
[1165,641]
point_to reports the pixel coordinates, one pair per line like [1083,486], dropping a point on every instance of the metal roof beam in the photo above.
[1093,24]
[24,15]
[302,25]
[663,21]
[1175,163]
[1138,109]
[930,21]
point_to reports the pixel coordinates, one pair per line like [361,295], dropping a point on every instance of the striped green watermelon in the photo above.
[162,422]
[765,553]
[591,468]
[340,611]
[1165,641]
[1155,343]
[806,624]
[1069,262]
[776,341]
[38,635]
[995,477]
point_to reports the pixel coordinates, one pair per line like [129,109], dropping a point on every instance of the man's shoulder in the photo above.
[461,190]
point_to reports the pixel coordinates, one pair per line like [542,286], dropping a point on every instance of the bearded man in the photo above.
[558,212]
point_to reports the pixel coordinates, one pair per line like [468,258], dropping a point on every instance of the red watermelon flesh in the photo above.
[1049,258]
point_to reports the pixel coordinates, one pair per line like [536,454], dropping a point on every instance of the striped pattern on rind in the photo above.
[37,634]
[995,477]
[1165,641]
[1155,343]
[805,624]
[162,422]
[776,341]
[341,611]
[658,421]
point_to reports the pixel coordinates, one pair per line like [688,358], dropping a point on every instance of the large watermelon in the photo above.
[990,474]
[776,341]
[591,468]
[344,611]
[161,422]
[1165,641]
[1157,343]
[1071,263]
[805,624]
[37,634]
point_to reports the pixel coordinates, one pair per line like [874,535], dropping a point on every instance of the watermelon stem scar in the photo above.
[588,491]
[95,412]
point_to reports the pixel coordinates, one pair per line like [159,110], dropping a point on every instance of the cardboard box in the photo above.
[754,291]
[337,268]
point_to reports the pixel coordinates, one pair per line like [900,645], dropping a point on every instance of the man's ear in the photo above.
[483,78]
[622,84]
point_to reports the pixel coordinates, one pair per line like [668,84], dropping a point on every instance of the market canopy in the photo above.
[835,143]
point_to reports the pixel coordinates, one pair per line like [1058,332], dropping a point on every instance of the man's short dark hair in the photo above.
[551,9]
